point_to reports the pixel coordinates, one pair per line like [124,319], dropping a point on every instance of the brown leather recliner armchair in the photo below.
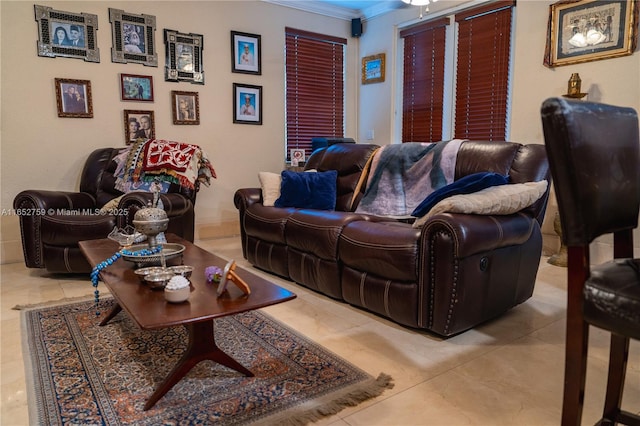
[53,222]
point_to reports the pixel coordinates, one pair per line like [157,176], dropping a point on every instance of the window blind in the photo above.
[482,75]
[314,68]
[423,81]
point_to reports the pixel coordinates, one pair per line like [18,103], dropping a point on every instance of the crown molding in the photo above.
[339,12]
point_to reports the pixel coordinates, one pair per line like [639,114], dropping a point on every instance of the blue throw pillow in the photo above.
[308,190]
[466,185]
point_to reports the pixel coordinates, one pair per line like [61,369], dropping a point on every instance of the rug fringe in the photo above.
[350,399]
[64,301]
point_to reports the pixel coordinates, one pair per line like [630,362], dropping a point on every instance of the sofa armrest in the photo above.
[45,200]
[478,233]
[245,197]
[475,267]
[31,205]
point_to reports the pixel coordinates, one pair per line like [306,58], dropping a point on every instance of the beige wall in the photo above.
[41,151]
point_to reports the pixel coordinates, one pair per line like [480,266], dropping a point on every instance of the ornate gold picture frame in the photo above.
[73,98]
[185,107]
[138,125]
[373,68]
[590,30]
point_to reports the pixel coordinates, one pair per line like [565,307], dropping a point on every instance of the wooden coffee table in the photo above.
[150,311]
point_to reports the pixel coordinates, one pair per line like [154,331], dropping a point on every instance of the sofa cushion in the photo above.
[308,190]
[496,200]
[466,185]
[270,185]
[317,232]
[384,249]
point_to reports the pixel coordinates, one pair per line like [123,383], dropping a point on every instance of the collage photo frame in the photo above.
[133,38]
[67,34]
[184,57]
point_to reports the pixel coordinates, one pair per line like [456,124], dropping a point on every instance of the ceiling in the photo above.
[344,9]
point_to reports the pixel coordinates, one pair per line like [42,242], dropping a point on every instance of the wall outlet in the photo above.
[371,135]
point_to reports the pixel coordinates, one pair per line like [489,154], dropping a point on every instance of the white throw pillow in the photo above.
[497,200]
[270,185]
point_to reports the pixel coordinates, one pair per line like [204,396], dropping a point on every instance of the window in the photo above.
[482,83]
[314,68]
[482,64]
[423,84]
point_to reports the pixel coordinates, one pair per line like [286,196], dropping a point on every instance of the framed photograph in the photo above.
[373,68]
[185,107]
[184,57]
[138,125]
[590,30]
[245,53]
[71,35]
[297,157]
[247,104]
[136,87]
[133,38]
[73,98]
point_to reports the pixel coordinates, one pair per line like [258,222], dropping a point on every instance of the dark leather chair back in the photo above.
[97,175]
[594,155]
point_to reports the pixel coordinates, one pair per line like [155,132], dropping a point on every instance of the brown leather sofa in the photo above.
[52,222]
[455,272]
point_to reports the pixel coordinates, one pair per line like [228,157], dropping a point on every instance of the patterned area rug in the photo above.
[80,373]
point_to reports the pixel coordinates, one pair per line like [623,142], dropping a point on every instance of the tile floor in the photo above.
[506,372]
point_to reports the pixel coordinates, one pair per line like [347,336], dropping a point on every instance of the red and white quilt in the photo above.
[165,161]
[162,154]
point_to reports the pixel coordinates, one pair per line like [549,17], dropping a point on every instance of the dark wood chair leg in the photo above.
[577,338]
[575,369]
[618,355]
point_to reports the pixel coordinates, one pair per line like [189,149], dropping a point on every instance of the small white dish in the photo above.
[177,296]
[177,289]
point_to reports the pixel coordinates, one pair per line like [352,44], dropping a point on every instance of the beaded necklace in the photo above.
[117,255]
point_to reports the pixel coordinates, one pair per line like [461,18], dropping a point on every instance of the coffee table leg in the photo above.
[114,311]
[202,346]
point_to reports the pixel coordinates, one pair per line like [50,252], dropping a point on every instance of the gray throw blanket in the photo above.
[402,175]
